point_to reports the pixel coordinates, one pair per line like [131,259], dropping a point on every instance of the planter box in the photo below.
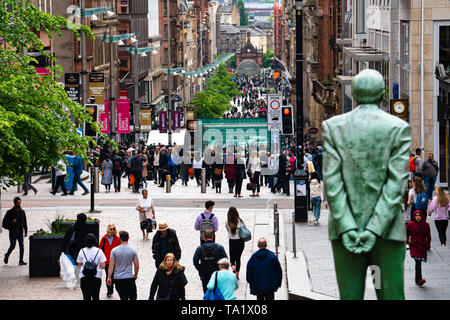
[93,227]
[44,255]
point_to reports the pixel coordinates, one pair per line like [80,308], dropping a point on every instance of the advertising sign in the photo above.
[103,118]
[274,112]
[163,122]
[123,116]
[145,118]
[72,86]
[176,120]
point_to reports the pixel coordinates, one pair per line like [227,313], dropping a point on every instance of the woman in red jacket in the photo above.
[109,241]
[419,239]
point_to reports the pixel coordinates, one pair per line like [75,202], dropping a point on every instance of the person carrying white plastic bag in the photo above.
[67,272]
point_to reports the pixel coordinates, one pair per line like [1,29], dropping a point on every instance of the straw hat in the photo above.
[162,227]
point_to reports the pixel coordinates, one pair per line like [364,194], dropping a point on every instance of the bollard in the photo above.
[277,231]
[275,209]
[203,185]
[294,245]
[168,183]
[19,188]
[96,179]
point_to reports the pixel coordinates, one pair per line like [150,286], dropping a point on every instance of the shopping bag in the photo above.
[244,233]
[214,294]
[67,272]
[132,179]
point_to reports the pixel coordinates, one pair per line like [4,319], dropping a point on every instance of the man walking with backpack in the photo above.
[207,221]
[206,257]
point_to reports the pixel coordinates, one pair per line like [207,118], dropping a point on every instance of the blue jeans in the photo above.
[77,179]
[429,185]
[317,202]
[270,181]
[116,177]
[13,236]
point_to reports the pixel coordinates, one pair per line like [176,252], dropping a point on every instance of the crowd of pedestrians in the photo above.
[121,261]
[422,198]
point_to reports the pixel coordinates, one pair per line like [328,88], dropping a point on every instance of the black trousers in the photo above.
[255,180]
[126,288]
[137,180]
[238,188]
[441,226]
[231,184]
[110,289]
[90,287]
[60,183]
[418,269]
[266,296]
[236,249]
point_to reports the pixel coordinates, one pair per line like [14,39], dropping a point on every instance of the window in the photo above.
[166,56]
[166,32]
[444,46]
[360,16]
[404,60]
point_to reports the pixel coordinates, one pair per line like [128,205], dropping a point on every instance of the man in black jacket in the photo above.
[163,166]
[15,221]
[165,241]
[136,170]
[282,178]
[206,257]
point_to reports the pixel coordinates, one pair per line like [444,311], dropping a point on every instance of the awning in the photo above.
[366,54]
[157,100]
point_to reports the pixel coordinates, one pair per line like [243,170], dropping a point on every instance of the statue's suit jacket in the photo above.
[365,169]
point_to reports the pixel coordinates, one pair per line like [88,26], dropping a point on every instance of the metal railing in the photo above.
[276,226]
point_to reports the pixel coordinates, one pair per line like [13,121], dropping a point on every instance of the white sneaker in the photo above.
[315,221]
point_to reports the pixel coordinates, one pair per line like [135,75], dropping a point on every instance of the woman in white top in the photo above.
[144,206]
[90,285]
[254,164]
[61,172]
[197,164]
[315,187]
[236,244]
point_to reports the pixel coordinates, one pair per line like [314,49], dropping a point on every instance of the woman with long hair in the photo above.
[440,205]
[108,242]
[418,189]
[107,172]
[169,280]
[316,195]
[236,244]
[254,165]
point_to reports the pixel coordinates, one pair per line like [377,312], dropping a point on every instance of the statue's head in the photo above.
[368,87]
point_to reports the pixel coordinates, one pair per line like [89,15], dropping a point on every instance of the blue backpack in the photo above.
[422,201]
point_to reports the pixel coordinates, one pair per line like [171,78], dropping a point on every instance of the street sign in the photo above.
[72,86]
[274,112]
[191,125]
[80,132]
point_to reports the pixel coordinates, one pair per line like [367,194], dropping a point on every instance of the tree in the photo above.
[222,83]
[243,14]
[215,100]
[267,58]
[35,111]
[209,105]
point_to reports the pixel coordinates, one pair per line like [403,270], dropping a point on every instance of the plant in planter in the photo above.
[63,224]
[45,249]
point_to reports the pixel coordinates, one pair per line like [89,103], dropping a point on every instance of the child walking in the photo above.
[419,239]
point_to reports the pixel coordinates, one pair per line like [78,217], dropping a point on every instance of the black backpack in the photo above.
[90,267]
[209,259]
[117,165]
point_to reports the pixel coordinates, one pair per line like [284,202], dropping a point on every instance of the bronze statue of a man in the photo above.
[365,173]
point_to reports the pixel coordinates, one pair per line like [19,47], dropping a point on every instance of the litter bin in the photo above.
[301,194]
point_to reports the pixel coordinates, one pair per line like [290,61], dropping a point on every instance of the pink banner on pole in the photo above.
[123,116]
[103,117]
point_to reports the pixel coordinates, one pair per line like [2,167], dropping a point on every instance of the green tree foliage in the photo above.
[243,14]
[222,83]
[35,111]
[215,100]
[267,58]
[232,62]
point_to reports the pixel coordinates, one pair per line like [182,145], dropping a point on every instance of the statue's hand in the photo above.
[350,240]
[367,240]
